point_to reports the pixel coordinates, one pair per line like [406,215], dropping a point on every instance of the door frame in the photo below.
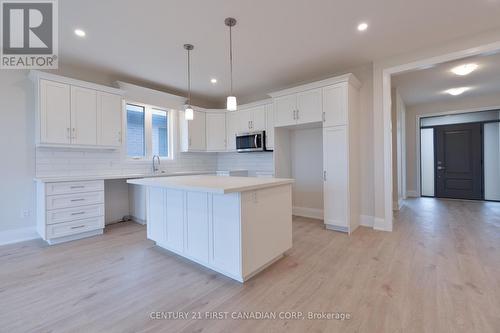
[387,70]
[417,141]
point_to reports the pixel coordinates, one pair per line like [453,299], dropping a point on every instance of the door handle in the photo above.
[441,168]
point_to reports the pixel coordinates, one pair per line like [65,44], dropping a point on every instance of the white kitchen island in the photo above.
[236,226]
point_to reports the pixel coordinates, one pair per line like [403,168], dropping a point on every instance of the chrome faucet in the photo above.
[155,167]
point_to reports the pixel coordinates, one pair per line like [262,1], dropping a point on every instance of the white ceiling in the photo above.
[276,43]
[429,85]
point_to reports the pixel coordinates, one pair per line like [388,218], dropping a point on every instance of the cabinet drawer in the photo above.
[76,213]
[74,187]
[74,200]
[75,227]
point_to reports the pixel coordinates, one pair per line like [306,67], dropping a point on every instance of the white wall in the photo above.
[464,104]
[17,146]
[306,147]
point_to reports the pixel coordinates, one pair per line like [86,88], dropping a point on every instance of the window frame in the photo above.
[148,132]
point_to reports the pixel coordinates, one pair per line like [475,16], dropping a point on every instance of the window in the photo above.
[148,132]
[135,130]
[159,121]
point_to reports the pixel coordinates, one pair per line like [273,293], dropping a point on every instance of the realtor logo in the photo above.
[29,34]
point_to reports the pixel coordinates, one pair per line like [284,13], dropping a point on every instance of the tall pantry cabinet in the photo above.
[333,105]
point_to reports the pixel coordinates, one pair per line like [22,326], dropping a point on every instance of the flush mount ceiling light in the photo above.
[457,91]
[188,110]
[231,104]
[80,33]
[213,81]
[463,70]
[362,26]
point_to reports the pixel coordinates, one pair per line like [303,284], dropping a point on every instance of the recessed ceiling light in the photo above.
[457,91]
[80,33]
[464,69]
[362,26]
[214,81]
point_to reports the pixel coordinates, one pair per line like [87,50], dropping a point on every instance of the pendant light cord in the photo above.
[189,77]
[231,57]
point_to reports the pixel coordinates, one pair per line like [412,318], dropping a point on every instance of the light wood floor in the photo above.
[439,271]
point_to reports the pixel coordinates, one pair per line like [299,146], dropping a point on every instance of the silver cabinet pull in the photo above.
[78,227]
[79,213]
[81,199]
[68,133]
[77,186]
[298,115]
[324,117]
[324,175]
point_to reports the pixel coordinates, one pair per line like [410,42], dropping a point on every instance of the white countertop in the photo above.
[212,184]
[109,177]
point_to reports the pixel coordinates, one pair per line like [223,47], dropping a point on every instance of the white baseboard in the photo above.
[18,235]
[312,213]
[366,221]
[380,225]
[396,205]
[412,194]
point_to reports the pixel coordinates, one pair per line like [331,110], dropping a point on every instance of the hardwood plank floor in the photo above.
[439,271]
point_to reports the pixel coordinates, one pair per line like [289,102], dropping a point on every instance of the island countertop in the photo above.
[212,184]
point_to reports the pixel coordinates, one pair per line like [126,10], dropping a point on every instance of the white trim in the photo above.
[263,102]
[18,235]
[312,213]
[396,205]
[386,224]
[379,224]
[366,221]
[349,78]
[36,75]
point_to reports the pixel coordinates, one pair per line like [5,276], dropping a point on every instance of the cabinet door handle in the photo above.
[298,115]
[79,213]
[294,115]
[74,133]
[189,144]
[78,227]
[74,200]
[324,175]
[68,133]
[324,116]
[77,186]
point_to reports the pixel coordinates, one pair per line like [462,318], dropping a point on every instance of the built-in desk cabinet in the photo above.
[72,113]
[69,210]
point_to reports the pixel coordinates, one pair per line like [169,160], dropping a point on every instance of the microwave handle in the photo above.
[255,140]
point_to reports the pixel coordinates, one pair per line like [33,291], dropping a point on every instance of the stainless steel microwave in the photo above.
[250,142]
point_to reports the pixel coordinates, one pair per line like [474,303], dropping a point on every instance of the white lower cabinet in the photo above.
[70,210]
[201,226]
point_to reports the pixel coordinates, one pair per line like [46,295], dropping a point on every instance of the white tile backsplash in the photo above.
[253,162]
[55,162]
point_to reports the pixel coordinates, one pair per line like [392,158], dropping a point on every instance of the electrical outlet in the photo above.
[25,213]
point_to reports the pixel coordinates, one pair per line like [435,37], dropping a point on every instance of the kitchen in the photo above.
[231,166]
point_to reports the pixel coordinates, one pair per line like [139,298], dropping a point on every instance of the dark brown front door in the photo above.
[458,166]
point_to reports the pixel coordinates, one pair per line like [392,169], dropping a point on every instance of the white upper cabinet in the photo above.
[258,115]
[193,132]
[232,128]
[109,119]
[83,116]
[216,131]
[335,105]
[73,113]
[299,108]
[309,106]
[285,109]
[54,112]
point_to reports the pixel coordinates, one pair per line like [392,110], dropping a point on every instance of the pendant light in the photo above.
[231,104]
[188,110]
